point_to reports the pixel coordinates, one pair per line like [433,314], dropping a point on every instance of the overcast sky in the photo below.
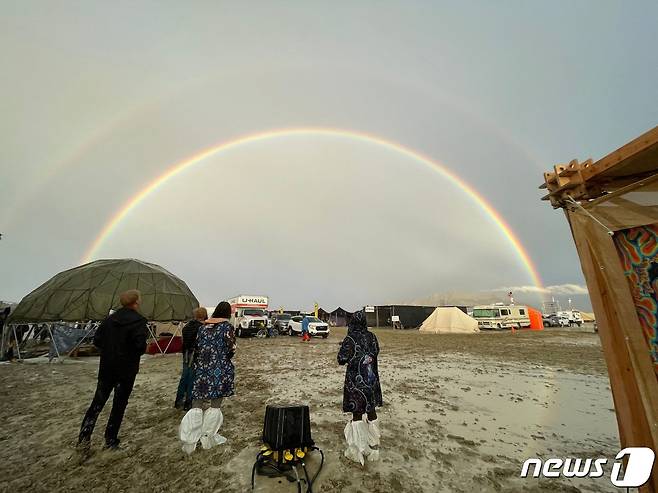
[99,98]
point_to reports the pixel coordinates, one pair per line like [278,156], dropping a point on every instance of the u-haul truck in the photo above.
[249,314]
[500,316]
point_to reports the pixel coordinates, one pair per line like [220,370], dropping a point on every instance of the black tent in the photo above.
[339,317]
[411,316]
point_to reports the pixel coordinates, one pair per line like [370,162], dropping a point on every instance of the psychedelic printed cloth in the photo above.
[213,368]
[638,250]
[362,391]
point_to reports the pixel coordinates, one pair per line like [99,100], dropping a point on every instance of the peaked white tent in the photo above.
[449,320]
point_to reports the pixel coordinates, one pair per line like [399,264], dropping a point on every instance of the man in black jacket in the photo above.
[121,339]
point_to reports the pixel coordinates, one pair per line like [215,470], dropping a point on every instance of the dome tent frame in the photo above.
[88,292]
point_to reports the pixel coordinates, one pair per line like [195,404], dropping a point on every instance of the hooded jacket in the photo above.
[362,392]
[121,339]
[190,332]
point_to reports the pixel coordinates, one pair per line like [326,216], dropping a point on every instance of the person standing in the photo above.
[305,333]
[121,339]
[213,381]
[184,393]
[362,391]
[9,352]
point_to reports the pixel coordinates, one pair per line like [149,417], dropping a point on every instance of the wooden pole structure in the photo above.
[607,203]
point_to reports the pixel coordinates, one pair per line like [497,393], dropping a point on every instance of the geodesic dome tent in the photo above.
[90,291]
[87,293]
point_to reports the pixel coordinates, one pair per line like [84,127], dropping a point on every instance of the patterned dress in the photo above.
[362,391]
[213,369]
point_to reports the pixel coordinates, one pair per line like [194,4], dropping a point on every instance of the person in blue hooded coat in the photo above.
[362,392]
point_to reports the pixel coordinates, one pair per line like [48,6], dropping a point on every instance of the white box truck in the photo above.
[249,314]
[501,316]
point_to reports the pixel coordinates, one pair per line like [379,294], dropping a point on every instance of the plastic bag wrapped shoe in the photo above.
[374,455]
[356,435]
[190,429]
[352,450]
[374,434]
[212,421]
[374,437]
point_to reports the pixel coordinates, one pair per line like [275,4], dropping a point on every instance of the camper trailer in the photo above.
[249,314]
[500,316]
[573,316]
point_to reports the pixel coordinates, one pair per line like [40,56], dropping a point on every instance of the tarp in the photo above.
[165,344]
[587,317]
[449,320]
[89,291]
[65,338]
[536,319]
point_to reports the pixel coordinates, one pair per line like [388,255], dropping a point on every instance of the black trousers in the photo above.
[122,388]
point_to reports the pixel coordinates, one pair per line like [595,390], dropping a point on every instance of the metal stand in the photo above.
[157,342]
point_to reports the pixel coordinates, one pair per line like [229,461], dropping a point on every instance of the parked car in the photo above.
[280,322]
[555,320]
[316,327]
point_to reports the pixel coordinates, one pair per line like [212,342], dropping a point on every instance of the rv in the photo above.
[500,316]
[249,314]
[574,317]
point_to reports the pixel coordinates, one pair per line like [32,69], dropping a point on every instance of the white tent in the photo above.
[449,320]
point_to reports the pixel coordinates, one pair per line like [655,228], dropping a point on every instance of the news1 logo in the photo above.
[636,472]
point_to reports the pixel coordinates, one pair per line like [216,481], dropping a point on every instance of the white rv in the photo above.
[500,316]
[249,314]
[574,317]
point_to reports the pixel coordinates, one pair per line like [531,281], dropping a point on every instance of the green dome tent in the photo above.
[89,291]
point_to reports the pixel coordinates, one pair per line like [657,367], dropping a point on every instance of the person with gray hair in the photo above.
[121,339]
[190,331]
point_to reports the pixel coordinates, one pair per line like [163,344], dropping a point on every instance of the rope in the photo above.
[571,200]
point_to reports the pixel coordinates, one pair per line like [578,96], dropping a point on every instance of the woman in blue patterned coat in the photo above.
[362,392]
[213,380]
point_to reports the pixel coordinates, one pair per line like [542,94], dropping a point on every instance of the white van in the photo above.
[500,316]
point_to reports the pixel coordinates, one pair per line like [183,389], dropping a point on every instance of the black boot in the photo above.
[112,444]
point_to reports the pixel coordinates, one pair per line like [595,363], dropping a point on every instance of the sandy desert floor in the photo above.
[461,413]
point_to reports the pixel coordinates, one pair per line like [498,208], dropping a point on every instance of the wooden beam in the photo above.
[630,368]
[635,146]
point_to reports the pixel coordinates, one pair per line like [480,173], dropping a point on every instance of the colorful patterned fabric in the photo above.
[362,391]
[213,369]
[638,250]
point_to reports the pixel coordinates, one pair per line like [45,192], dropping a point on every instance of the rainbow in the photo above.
[181,166]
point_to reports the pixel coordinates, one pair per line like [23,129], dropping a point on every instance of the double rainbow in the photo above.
[181,166]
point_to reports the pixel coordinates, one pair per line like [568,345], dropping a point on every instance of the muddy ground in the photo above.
[461,413]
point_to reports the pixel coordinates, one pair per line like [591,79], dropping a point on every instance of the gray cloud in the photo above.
[561,289]
[101,98]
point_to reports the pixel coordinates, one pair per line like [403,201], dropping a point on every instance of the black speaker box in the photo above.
[287,427]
